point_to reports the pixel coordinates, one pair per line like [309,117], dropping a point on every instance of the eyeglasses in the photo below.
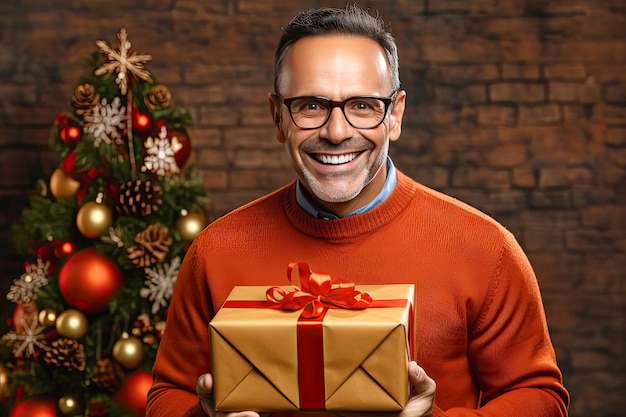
[313,112]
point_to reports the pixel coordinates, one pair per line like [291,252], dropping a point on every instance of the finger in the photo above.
[422,384]
[204,386]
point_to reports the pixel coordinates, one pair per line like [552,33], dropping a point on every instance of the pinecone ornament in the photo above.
[139,198]
[147,329]
[152,245]
[107,375]
[66,354]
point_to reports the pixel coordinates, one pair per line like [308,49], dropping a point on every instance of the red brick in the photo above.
[565,72]
[10,136]
[589,241]
[556,271]
[615,94]
[563,92]
[211,158]
[524,177]
[604,217]
[254,6]
[520,71]
[560,176]
[465,74]
[615,137]
[517,92]
[212,115]
[561,145]
[605,72]
[612,115]
[548,241]
[16,168]
[551,218]
[481,177]
[205,137]
[506,156]
[496,115]
[547,114]
[260,158]
[505,201]
[249,137]
[473,94]
[618,156]
[214,179]
[557,198]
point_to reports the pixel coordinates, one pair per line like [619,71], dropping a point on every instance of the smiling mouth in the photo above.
[335,159]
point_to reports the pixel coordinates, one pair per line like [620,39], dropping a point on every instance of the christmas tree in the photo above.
[104,238]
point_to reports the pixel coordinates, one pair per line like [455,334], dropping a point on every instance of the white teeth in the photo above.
[336,159]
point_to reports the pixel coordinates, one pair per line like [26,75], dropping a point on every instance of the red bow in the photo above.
[318,290]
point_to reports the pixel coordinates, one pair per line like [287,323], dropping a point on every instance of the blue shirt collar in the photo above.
[308,204]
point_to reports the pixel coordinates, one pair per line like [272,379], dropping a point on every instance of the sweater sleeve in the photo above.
[183,353]
[511,353]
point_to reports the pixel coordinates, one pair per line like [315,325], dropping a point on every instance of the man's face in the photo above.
[341,166]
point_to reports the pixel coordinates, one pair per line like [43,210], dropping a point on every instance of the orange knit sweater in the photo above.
[481,331]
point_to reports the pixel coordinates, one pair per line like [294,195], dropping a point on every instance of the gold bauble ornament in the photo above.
[47,317]
[62,185]
[4,383]
[68,405]
[72,324]
[190,224]
[128,351]
[93,218]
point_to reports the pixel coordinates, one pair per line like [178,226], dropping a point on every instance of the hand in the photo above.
[204,389]
[421,402]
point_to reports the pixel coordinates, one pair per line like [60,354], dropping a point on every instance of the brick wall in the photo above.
[518,108]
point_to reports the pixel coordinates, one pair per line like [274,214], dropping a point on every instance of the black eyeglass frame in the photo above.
[341,104]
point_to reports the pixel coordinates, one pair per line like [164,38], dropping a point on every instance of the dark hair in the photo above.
[350,20]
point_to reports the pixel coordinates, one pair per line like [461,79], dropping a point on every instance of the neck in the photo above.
[367,194]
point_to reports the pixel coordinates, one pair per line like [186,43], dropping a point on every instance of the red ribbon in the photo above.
[318,291]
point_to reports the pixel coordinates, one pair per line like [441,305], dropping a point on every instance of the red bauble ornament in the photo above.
[183,154]
[141,121]
[61,120]
[70,134]
[88,280]
[35,407]
[133,392]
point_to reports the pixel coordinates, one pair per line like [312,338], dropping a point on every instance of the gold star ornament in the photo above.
[122,62]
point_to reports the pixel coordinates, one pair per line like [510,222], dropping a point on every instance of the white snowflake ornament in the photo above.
[160,154]
[106,122]
[25,288]
[160,283]
[25,343]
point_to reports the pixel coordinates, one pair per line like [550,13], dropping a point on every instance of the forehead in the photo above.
[335,66]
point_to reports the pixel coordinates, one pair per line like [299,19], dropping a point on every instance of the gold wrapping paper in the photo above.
[254,354]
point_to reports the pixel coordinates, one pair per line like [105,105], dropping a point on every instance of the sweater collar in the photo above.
[352,226]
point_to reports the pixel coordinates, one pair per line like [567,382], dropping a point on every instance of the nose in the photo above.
[337,129]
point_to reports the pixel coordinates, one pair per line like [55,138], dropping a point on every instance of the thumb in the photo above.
[422,384]
[204,386]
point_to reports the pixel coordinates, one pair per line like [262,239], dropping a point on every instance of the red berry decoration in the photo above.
[141,122]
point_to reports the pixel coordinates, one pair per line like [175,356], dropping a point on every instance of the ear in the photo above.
[275,109]
[395,117]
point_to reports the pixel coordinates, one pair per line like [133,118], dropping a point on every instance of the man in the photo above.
[481,333]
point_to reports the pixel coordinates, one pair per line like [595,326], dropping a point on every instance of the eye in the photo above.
[363,105]
[309,105]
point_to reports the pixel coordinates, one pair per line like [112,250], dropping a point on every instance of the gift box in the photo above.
[325,345]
